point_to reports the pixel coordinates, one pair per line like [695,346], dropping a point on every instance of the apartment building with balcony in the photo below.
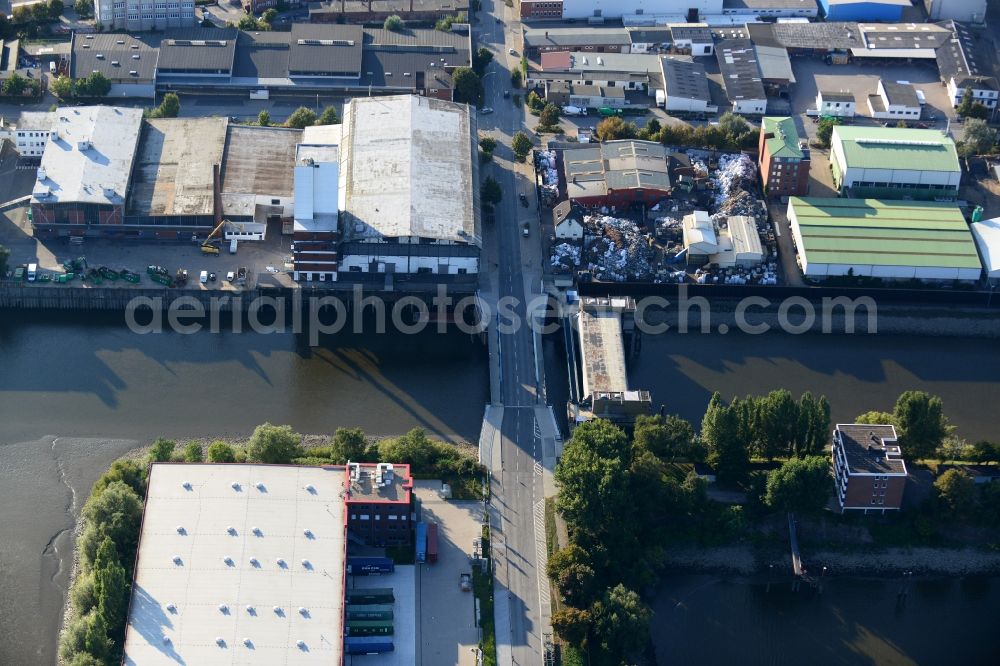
[868,467]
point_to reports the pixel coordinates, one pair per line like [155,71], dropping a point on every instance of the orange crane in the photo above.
[207,247]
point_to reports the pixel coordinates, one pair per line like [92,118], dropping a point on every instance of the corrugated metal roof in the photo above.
[896,148]
[785,142]
[888,233]
[198,50]
[99,53]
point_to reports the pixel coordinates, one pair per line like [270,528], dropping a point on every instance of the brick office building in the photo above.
[379,503]
[868,466]
[784,164]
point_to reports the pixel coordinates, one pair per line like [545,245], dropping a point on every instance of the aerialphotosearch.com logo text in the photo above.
[412,315]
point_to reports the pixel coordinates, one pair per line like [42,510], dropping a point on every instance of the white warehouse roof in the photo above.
[987,235]
[408,168]
[89,156]
[239,563]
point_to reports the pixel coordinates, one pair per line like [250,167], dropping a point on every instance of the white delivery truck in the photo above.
[32,272]
[232,246]
[259,94]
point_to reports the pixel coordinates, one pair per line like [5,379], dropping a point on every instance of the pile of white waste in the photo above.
[617,250]
[565,256]
[735,173]
[700,168]
[666,224]
[546,164]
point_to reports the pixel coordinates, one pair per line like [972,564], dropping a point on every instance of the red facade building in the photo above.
[784,164]
[868,467]
[380,503]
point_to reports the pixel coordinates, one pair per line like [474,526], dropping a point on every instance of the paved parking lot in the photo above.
[446,619]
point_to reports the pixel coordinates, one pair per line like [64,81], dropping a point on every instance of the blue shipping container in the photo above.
[370,566]
[367,644]
[421,542]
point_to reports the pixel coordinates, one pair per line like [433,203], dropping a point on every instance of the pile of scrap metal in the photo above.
[548,176]
[565,257]
[617,250]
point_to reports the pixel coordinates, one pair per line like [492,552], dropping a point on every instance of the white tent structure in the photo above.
[987,235]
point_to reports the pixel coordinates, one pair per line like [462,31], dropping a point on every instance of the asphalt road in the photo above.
[519,488]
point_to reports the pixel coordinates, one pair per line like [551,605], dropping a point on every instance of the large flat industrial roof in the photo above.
[198,50]
[887,233]
[239,563]
[603,352]
[260,160]
[896,148]
[173,172]
[684,78]
[115,56]
[615,165]
[573,36]
[865,448]
[89,156]
[407,169]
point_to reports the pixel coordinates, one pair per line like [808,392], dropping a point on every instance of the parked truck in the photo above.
[421,538]
[570,110]
[369,628]
[370,566]
[374,612]
[432,542]
[259,94]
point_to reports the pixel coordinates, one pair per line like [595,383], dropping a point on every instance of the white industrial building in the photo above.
[240,563]
[143,14]
[838,104]
[633,11]
[741,76]
[316,214]
[987,235]
[892,162]
[968,11]
[30,134]
[770,8]
[685,86]
[891,240]
[408,187]
[894,100]
[735,243]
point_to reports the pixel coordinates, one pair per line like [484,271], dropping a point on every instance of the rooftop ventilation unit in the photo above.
[171,608]
[228,561]
[261,487]
[186,485]
[311,489]
[224,609]
[251,610]
[257,532]
[235,485]
[181,530]
[220,641]
[231,530]
[254,562]
[178,560]
[281,563]
[248,642]
[307,533]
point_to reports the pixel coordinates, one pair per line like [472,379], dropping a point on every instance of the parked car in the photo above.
[486,110]
[271,269]
[212,277]
[524,230]
[203,277]
[506,94]
[465,582]
[512,51]
[524,199]
[230,276]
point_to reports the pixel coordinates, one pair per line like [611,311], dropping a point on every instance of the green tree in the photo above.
[15,85]
[614,128]
[571,624]
[720,432]
[328,117]
[84,8]
[393,23]
[521,145]
[671,438]
[85,659]
[966,104]
[570,570]
[621,622]
[977,137]
[985,452]
[876,418]
[170,107]
[535,103]
[85,635]
[193,453]
[979,111]
[800,484]
[735,127]
[95,85]
[593,490]
[481,59]
[220,452]
[301,118]
[488,144]
[466,85]
[55,8]
[130,472]
[40,13]
[445,23]
[812,432]
[269,15]
[921,422]
[516,78]
[111,586]
[62,87]
[775,423]
[22,14]
[824,131]
[274,444]
[957,491]
[263,118]
[651,131]
[549,117]
[490,192]
[248,23]
[82,594]
[4,259]
[161,450]
[115,514]
[349,444]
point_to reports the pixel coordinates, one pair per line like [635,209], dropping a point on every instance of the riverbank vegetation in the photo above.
[631,503]
[111,519]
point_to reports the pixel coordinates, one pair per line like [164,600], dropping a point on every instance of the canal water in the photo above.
[711,620]
[77,391]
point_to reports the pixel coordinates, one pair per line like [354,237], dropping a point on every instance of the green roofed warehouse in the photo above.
[893,240]
[893,162]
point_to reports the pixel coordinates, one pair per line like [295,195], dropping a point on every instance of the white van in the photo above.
[232,246]
[32,272]
[52,67]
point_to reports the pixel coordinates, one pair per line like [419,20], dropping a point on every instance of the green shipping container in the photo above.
[369,628]
[383,612]
[375,595]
